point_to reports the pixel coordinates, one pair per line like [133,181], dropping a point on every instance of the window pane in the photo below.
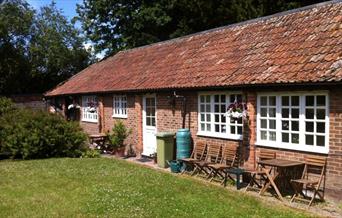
[320,127]
[148,121]
[309,113]
[239,129]
[223,108]
[321,100]
[272,100]
[272,112]
[263,135]
[202,99]
[309,126]
[217,118]
[223,98]
[232,98]
[285,137]
[295,100]
[208,117]
[285,101]
[202,108]
[217,128]
[309,140]
[208,127]
[309,101]
[272,124]
[295,138]
[295,113]
[202,127]
[217,98]
[285,125]
[223,118]
[207,98]
[232,129]
[285,113]
[207,108]
[263,112]
[223,128]
[320,114]
[239,98]
[263,100]
[272,136]
[320,140]
[202,117]
[295,125]
[264,124]
[217,108]
[153,121]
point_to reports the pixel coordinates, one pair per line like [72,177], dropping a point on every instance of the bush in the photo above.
[6,105]
[27,134]
[91,153]
[119,133]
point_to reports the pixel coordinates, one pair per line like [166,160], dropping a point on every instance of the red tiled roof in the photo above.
[299,46]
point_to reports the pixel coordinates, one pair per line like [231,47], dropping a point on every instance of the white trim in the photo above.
[144,126]
[122,110]
[212,133]
[301,146]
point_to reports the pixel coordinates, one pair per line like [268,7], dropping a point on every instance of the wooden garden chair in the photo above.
[218,171]
[258,175]
[311,180]
[212,157]
[198,154]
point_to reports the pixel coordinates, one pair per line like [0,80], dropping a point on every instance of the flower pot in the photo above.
[120,152]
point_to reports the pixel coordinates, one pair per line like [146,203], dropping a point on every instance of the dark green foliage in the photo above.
[27,134]
[6,106]
[119,134]
[114,25]
[38,50]
[91,153]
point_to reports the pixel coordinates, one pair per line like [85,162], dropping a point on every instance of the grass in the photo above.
[114,188]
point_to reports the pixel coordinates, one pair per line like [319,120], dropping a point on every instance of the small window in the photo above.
[89,109]
[120,106]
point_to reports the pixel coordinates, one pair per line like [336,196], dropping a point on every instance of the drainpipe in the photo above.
[173,102]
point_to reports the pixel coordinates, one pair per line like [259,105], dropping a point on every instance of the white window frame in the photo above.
[87,116]
[119,106]
[292,146]
[212,133]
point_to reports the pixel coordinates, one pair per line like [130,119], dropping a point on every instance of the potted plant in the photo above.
[237,110]
[117,138]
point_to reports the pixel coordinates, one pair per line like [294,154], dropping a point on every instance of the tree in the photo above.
[56,49]
[113,25]
[38,50]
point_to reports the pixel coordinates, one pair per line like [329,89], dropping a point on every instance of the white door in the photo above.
[149,125]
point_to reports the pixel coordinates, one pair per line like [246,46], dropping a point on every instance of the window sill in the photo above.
[222,136]
[304,148]
[89,121]
[119,116]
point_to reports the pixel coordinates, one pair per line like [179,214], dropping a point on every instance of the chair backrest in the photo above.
[213,153]
[199,150]
[266,154]
[314,168]
[229,154]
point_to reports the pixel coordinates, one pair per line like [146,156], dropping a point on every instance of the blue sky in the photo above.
[68,6]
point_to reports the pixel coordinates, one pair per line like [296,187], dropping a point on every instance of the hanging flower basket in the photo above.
[71,106]
[237,110]
[91,107]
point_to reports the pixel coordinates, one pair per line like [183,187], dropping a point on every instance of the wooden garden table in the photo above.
[99,139]
[279,167]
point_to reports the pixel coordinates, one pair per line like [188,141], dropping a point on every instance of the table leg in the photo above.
[271,181]
[238,181]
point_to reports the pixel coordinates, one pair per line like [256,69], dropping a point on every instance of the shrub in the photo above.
[6,105]
[27,134]
[91,153]
[119,133]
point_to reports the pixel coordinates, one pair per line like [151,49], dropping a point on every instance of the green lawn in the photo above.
[113,188]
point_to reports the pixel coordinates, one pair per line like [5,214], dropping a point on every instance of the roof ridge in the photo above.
[242,23]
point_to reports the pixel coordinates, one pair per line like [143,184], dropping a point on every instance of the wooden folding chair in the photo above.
[311,180]
[212,156]
[198,154]
[258,175]
[228,160]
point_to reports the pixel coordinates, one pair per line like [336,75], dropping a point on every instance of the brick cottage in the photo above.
[286,67]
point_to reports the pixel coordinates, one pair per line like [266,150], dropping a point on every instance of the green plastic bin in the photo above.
[165,148]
